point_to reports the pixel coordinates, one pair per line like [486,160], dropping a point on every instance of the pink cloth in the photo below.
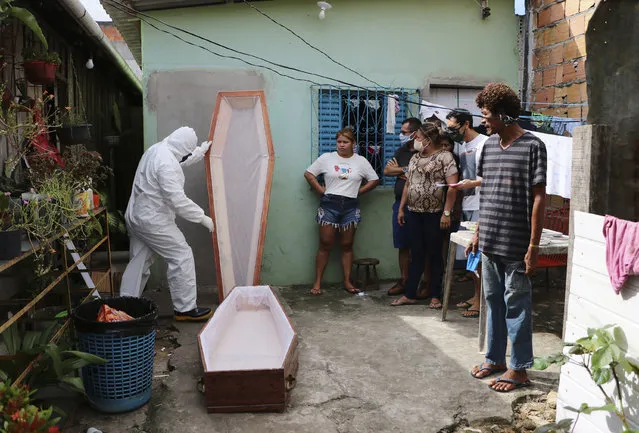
[622,250]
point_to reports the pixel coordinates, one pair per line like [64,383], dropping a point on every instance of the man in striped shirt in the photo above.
[512,199]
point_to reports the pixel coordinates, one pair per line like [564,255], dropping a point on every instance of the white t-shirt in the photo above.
[469,154]
[343,176]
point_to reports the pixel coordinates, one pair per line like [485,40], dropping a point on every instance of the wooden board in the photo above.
[592,303]
[233,350]
[239,167]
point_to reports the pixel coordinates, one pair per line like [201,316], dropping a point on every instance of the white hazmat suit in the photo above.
[157,196]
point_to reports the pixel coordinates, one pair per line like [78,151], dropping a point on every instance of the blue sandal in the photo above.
[491,371]
[517,384]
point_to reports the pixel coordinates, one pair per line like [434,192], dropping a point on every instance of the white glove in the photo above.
[204,147]
[208,223]
[197,155]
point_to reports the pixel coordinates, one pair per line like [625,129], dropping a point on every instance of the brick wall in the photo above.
[559,55]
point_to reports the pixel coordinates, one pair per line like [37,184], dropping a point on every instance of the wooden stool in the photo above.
[368,263]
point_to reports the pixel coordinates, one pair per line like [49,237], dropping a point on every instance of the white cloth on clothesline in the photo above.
[559,171]
[428,110]
[392,106]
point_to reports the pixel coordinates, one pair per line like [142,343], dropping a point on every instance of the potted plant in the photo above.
[75,129]
[40,66]
[10,234]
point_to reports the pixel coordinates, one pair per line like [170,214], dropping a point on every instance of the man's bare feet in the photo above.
[486,369]
[403,301]
[510,380]
[316,290]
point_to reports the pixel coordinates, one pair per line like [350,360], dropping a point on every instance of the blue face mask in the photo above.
[405,138]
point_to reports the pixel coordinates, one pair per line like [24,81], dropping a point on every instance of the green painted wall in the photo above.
[397,43]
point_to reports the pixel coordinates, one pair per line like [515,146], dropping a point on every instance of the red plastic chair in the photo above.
[557,220]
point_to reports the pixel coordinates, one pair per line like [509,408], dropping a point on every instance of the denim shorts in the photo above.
[338,211]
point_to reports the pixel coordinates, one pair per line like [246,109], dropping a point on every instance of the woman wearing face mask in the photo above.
[344,172]
[429,210]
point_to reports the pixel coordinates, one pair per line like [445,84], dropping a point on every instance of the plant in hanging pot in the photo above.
[75,129]
[10,233]
[21,125]
[40,66]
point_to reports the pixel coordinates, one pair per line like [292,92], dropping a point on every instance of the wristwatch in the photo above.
[447,213]
[405,170]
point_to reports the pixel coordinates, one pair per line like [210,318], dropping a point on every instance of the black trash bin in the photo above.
[124,382]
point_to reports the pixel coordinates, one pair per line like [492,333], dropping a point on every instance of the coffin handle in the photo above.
[290,382]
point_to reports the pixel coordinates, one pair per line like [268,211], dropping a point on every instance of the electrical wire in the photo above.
[252,6]
[135,13]
[258,10]
[118,5]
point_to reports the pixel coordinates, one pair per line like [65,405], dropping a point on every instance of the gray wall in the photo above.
[187,98]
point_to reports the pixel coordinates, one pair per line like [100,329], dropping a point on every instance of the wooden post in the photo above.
[591,169]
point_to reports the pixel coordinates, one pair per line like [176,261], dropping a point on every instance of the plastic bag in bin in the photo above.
[108,314]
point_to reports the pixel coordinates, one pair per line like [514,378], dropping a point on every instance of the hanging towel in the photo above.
[622,250]
[559,171]
[392,105]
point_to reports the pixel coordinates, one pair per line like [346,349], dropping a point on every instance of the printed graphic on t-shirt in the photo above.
[343,170]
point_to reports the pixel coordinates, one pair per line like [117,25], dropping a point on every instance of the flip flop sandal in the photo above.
[353,291]
[491,371]
[473,314]
[435,306]
[517,384]
[464,305]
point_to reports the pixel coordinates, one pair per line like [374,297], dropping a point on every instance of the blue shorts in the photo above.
[338,211]
[401,236]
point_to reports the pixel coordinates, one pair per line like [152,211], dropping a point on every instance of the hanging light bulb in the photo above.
[89,63]
[323,7]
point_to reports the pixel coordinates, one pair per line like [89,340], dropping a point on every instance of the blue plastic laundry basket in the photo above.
[124,383]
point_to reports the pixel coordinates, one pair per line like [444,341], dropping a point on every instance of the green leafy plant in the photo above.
[35,54]
[57,365]
[20,415]
[7,10]
[602,355]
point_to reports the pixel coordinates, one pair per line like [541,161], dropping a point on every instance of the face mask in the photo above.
[405,138]
[418,145]
[455,134]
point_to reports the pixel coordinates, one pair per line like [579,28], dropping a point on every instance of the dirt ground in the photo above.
[529,413]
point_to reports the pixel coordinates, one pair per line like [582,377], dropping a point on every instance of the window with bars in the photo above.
[366,112]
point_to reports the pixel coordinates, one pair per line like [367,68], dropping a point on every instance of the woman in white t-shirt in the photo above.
[344,172]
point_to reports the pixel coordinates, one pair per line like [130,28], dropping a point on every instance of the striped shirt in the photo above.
[506,199]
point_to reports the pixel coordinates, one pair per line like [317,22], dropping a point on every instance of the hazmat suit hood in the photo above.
[181,142]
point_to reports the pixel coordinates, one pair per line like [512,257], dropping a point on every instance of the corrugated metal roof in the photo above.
[130,27]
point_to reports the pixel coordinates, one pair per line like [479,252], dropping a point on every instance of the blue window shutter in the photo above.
[330,119]
[391,141]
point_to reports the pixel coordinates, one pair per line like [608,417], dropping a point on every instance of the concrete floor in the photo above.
[364,367]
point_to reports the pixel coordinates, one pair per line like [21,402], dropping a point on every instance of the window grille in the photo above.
[365,111]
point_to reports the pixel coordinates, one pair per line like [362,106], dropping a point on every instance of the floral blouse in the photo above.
[424,173]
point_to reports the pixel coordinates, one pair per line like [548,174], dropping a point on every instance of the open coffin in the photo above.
[239,173]
[249,353]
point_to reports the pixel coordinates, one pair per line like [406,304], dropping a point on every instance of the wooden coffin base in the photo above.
[252,390]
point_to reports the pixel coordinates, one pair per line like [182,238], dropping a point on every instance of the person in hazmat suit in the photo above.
[157,197]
